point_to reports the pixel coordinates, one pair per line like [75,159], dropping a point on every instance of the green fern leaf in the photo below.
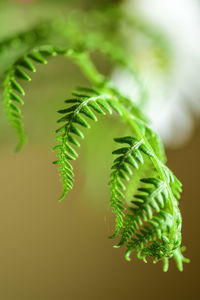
[150,224]
[13,90]
[83,106]
[149,199]
[129,158]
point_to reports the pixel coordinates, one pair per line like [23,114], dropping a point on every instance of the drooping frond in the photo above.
[146,170]
[13,90]
[129,158]
[152,227]
[150,224]
[12,110]
[82,105]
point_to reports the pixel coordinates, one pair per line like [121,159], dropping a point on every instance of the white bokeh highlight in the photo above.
[174,99]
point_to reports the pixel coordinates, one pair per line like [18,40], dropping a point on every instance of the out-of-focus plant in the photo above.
[171,80]
[144,192]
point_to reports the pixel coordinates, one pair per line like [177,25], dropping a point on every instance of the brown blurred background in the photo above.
[52,251]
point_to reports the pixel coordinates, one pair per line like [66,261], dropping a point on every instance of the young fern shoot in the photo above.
[151,223]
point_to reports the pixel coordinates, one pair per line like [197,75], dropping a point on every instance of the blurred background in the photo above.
[61,251]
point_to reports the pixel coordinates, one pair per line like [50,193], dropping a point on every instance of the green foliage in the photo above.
[13,90]
[151,223]
[82,105]
[130,157]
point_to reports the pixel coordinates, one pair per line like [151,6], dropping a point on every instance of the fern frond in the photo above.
[152,226]
[149,199]
[129,158]
[86,103]
[13,90]
[12,110]
[151,223]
